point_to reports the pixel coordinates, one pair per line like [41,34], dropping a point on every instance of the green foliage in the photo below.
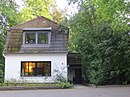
[95,72]
[14,82]
[59,75]
[58,15]
[34,8]
[65,85]
[102,39]
[59,78]
[2,42]
[46,8]
[8,15]
[1,72]
[105,56]
[8,18]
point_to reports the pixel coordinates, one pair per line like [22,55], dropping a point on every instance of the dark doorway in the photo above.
[78,76]
[74,68]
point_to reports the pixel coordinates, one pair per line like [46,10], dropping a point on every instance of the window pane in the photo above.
[31,69]
[23,68]
[30,38]
[40,69]
[42,38]
[47,68]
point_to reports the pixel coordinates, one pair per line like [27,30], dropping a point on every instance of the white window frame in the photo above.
[22,73]
[36,38]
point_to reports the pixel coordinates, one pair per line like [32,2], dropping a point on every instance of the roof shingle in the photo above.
[59,39]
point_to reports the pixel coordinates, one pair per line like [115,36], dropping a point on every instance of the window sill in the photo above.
[36,45]
[34,76]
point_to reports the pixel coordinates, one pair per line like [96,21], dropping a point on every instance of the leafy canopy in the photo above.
[99,32]
[46,8]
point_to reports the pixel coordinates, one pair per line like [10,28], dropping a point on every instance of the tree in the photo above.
[58,15]
[34,8]
[100,34]
[8,18]
[2,42]
[46,8]
[8,15]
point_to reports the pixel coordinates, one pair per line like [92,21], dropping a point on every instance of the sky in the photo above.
[60,3]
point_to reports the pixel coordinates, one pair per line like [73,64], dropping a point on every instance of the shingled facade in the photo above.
[58,42]
[34,50]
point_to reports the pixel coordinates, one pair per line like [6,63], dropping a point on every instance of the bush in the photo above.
[105,56]
[65,85]
[1,72]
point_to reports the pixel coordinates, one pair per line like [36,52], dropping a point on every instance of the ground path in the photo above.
[77,91]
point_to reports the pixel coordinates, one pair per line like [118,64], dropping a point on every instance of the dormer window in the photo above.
[36,37]
[42,38]
[30,38]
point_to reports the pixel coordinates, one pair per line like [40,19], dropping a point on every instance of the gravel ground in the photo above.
[77,91]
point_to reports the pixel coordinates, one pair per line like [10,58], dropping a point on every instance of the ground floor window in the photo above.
[40,68]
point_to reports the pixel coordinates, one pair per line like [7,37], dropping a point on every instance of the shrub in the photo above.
[65,85]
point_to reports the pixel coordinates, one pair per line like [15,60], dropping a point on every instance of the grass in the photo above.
[62,85]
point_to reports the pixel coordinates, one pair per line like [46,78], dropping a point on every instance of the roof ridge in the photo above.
[47,19]
[14,27]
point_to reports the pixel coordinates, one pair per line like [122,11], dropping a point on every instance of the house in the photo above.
[36,51]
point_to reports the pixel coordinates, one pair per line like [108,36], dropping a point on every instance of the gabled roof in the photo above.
[38,22]
[14,39]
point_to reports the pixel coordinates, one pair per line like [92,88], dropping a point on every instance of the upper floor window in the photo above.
[30,38]
[42,38]
[36,37]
